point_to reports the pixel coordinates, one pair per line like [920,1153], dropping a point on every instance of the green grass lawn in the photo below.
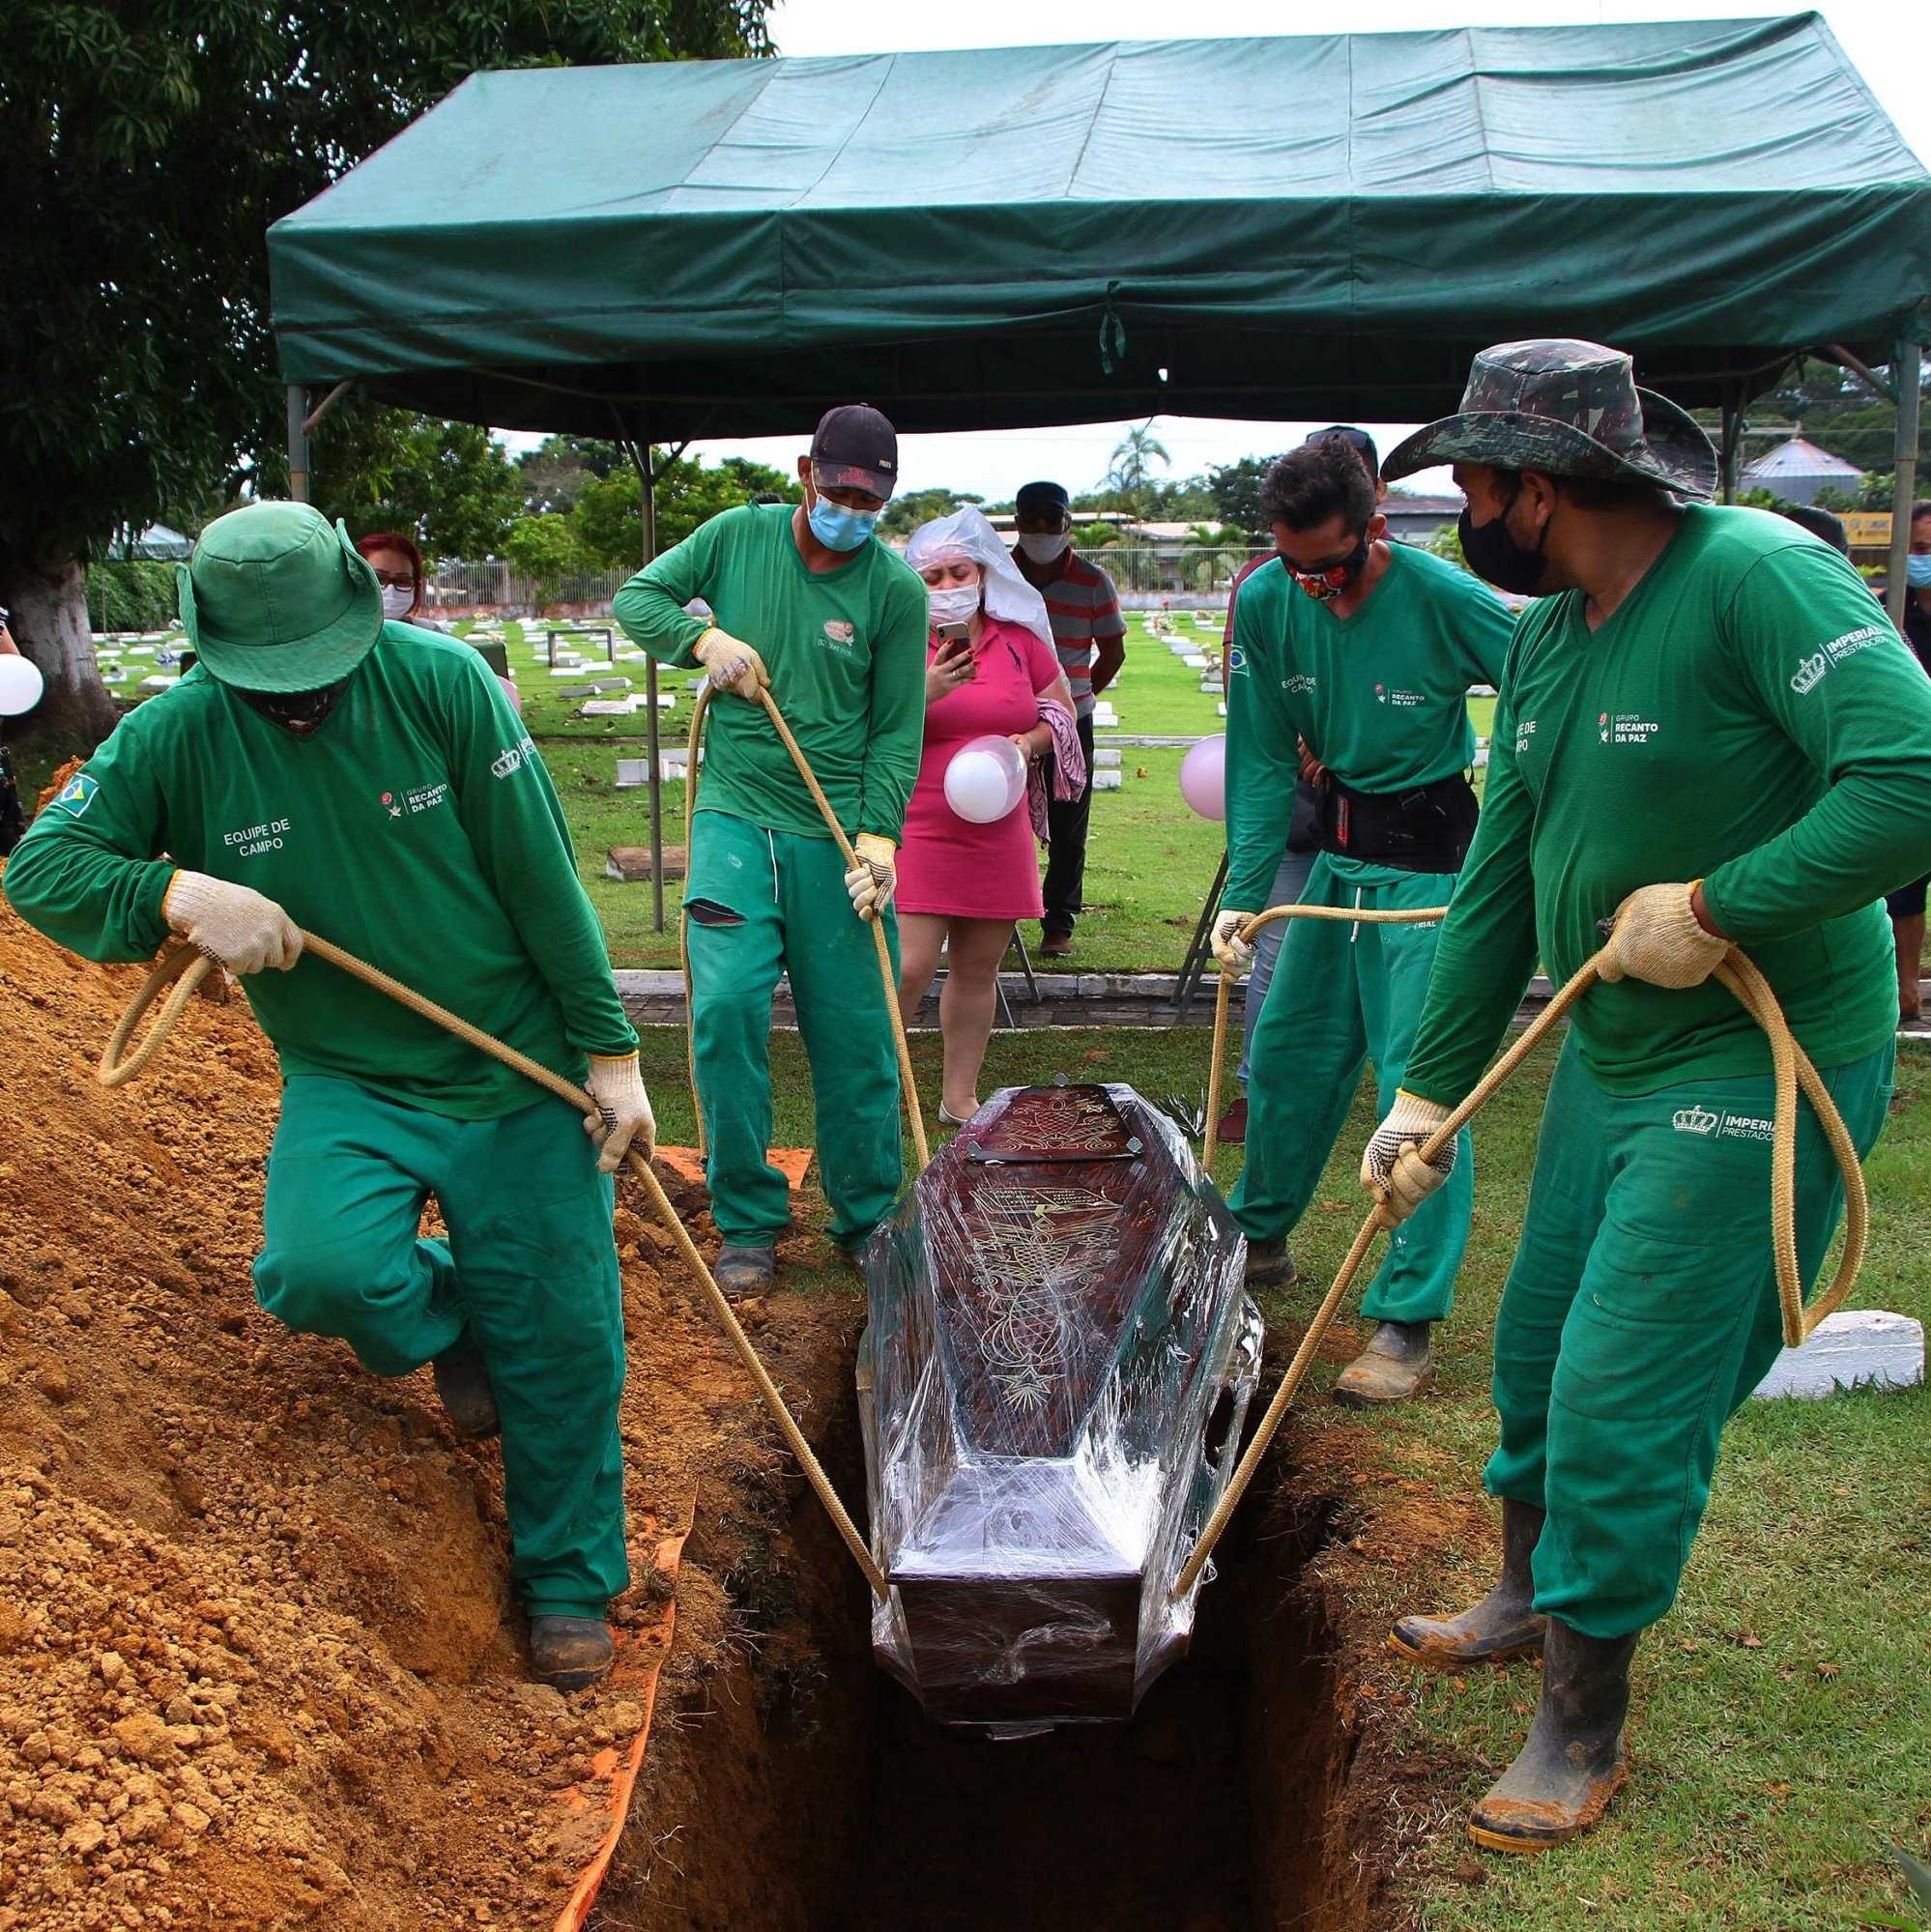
[1781,1729]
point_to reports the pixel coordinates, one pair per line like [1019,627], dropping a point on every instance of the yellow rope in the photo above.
[1791,1068]
[184,967]
[908,1084]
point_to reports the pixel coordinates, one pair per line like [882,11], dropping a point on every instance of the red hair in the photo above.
[389,539]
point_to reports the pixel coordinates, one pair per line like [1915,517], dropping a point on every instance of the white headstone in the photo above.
[1854,1348]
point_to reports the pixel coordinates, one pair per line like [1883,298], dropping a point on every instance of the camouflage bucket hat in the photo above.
[1567,408]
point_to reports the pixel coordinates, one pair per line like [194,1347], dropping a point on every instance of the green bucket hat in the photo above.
[1567,408]
[275,598]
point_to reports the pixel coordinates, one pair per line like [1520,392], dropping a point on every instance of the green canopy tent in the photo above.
[1265,228]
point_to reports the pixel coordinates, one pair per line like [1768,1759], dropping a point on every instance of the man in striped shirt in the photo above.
[1090,637]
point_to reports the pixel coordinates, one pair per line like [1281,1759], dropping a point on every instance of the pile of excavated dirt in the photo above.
[258,1664]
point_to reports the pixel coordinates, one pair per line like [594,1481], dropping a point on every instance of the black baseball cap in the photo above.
[855,448]
[1040,498]
[1357,440]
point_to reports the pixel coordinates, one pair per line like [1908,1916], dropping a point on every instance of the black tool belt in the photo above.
[1425,828]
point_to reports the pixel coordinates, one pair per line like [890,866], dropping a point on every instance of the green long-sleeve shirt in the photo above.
[1381,696]
[417,828]
[1747,716]
[846,653]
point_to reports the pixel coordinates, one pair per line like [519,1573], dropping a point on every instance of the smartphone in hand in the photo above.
[954,653]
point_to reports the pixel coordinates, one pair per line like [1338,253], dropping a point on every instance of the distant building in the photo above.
[1796,470]
[1413,518]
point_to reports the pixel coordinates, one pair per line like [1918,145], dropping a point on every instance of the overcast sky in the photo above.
[1888,39]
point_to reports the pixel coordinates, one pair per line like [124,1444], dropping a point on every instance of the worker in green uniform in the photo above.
[320,767]
[1351,660]
[1708,730]
[805,600]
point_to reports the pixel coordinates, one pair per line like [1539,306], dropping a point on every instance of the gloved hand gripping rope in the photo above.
[1655,933]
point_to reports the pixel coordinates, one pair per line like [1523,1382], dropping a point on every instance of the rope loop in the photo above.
[184,968]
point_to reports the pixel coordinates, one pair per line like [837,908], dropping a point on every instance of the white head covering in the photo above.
[966,534]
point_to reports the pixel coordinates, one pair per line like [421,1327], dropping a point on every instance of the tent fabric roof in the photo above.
[1279,227]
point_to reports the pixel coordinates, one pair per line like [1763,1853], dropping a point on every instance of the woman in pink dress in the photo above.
[991,671]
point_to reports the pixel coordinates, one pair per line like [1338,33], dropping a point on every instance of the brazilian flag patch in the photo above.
[77,793]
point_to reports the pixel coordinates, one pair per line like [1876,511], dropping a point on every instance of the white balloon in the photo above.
[20,685]
[986,780]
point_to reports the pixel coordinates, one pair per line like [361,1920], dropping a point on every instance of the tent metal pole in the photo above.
[646,459]
[1733,437]
[298,443]
[1908,371]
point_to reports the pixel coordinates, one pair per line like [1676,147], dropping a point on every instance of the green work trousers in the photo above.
[527,1276]
[1639,1314]
[1343,994]
[759,903]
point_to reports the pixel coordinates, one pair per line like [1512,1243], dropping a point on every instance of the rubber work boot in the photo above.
[1502,1625]
[744,1271]
[1392,1368]
[1269,1265]
[570,1653]
[1573,1763]
[1232,1129]
[463,1387]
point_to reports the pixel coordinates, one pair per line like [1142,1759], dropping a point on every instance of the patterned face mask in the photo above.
[1324,584]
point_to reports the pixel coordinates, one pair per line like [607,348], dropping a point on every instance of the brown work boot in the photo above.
[1232,1129]
[1502,1625]
[1392,1368]
[1574,1761]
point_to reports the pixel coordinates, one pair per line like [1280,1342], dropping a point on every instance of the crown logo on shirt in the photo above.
[1809,673]
[1694,1120]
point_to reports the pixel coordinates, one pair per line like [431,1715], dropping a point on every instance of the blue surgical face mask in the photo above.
[1917,571]
[838,527]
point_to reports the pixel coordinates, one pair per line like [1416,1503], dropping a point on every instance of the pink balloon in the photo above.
[1203,777]
[986,779]
[515,696]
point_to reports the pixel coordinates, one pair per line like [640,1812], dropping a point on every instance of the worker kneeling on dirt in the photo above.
[1351,657]
[806,601]
[320,767]
[1708,730]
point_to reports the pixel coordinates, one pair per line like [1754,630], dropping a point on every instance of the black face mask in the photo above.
[301,712]
[1492,553]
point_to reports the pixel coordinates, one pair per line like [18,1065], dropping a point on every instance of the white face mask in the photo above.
[1040,547]
[397,602]
[954,604]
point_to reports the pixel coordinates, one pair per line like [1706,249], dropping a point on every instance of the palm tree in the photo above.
[1131,463]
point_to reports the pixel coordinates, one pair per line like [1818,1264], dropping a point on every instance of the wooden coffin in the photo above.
[1051,1385]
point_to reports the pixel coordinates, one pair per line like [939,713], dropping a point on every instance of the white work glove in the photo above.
[1229,948]
[874,880]
[623,1110]
[1393,1167]
[1657,937]
[733,664]
[231,923]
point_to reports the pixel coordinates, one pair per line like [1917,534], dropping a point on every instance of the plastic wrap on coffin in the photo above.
[1052,1383]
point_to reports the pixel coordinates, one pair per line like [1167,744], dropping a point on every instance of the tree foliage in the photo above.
[1235,488]
[904,514]
[448,484]
[609,522]
[146,148]
[546,550]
